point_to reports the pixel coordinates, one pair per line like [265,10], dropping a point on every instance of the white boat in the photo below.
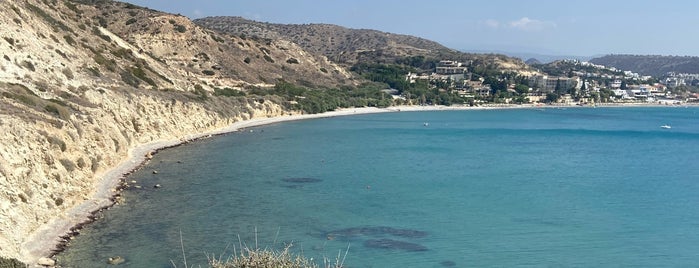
[666,126]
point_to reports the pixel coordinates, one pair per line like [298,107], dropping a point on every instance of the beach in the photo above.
[48,238]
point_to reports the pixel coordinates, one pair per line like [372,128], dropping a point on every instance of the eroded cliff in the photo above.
[82,84]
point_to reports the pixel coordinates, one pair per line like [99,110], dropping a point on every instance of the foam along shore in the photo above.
[48,238]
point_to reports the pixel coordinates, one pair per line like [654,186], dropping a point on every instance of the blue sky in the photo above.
[581,28]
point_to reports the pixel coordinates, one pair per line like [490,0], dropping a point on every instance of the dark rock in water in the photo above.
[448,264]
[377,231]
[393,244]
[302,180]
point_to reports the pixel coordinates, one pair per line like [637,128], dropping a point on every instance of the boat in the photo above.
[666,126]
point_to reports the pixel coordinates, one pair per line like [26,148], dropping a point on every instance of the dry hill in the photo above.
[347,46]
[82,83]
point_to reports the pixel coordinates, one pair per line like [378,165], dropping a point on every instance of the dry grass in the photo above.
[256,257]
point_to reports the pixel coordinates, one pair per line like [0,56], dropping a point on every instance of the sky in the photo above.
[578,28]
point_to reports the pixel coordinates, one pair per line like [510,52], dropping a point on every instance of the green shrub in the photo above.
[269,59]
[218,39]
[208,72]
[73,7]
[122,53]
[129,78]
[94,71]
[247,60]
[57,141]
[29,65]
[10,40]
[292,61]
[200,92]
[52,108]
[56,24]
[131,21]
[61,53]
[228,92]
[58,201]
[69,39]
[180,28]
[68,73]
[11,263]
[69,165]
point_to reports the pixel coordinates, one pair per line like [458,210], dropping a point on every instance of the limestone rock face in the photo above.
[77,94]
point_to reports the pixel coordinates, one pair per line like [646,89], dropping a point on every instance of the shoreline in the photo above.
[52,237]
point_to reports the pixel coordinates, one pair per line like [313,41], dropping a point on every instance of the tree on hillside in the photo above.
[551,97]
[557,89]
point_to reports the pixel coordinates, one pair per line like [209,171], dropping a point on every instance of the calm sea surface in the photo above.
[551,187]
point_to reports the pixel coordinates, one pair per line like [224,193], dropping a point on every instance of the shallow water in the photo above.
[549,187]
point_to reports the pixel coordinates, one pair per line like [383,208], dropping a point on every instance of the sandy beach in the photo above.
[45,240]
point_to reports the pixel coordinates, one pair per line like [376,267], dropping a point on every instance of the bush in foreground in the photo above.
[268,258]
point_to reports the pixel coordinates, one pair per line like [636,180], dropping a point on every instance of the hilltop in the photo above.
[654,65]
[346,46]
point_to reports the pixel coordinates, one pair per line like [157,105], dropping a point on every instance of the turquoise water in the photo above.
[528,188]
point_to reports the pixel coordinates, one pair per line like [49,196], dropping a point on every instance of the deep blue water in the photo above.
[552,187]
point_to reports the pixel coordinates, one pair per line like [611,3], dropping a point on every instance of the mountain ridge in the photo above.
[347,46]
[654,65]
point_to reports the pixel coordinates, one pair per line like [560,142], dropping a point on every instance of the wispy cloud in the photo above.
[524,24]
[491,23]
[531,25]
[198,13]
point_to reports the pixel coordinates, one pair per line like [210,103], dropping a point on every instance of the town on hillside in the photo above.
[583,84]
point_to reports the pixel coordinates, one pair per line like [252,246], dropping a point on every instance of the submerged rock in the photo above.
[376,231]
[448,264]
[386,243]
[302,180]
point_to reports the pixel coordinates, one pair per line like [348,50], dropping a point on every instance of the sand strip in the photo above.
[44,241]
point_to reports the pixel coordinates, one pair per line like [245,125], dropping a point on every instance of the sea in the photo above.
[549,187]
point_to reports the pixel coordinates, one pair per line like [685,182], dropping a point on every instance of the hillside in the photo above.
[653,65]
[83,83]
[348,47]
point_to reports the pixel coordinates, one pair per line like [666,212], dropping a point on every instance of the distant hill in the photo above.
[654,65]
[350,46]
[541,58]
